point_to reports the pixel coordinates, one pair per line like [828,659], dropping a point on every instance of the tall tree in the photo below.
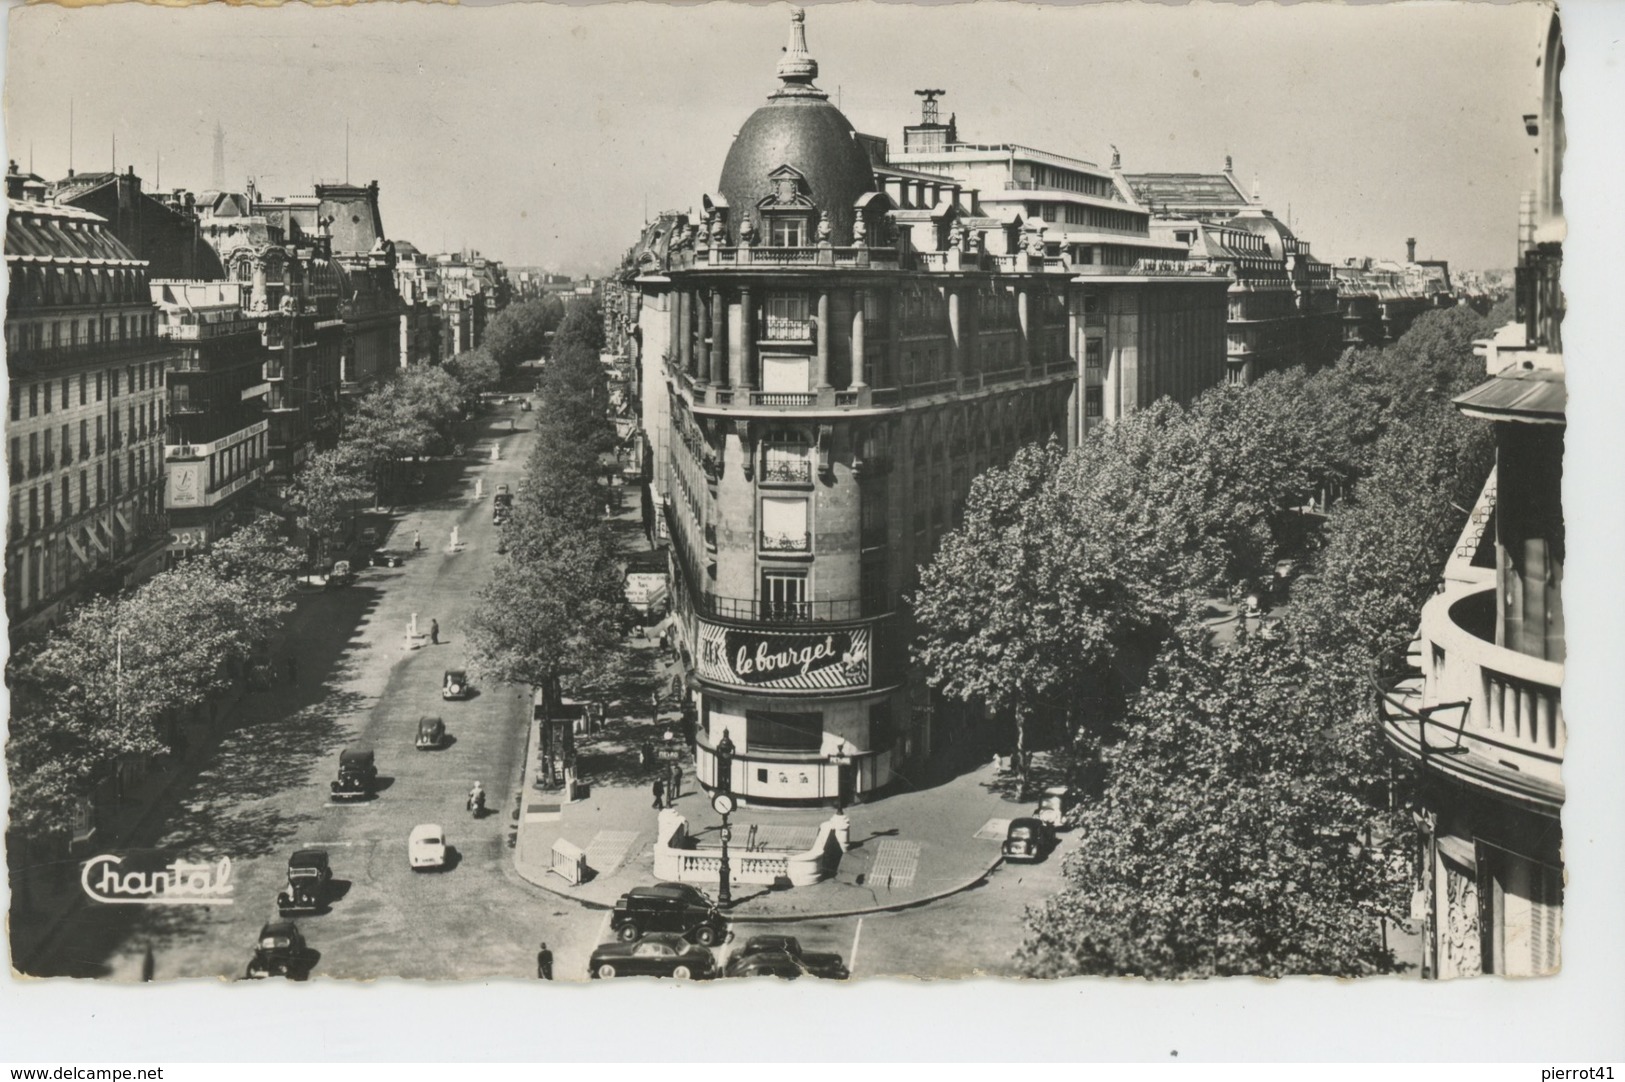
[1232,837]
[550,618]
[327,490]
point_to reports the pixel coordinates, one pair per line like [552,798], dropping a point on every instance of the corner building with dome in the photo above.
[828,354]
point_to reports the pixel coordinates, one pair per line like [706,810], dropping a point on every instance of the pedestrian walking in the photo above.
[291,664]
[659,790]
[417,541]
[544,963]
[434,632]
[674,787]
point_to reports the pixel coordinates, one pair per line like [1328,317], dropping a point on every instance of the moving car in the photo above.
[668,907]
[308,879]
[431,734]
[660,955]
[454,684]
[782,956]
[1029,839]
[357,774]
[281,952]
[388,558]
[426,847]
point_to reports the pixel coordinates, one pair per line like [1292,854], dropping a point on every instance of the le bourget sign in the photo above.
[181,882]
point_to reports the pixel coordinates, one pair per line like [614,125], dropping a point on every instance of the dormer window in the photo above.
[787,232]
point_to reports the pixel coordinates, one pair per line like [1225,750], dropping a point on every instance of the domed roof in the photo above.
[1262,223]
[798,127]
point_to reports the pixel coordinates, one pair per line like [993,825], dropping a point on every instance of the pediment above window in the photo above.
[786,187]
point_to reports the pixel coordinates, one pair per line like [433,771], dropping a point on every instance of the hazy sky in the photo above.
[538,133]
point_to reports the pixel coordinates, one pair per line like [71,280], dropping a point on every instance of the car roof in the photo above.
[456,672]
[427,828]
[770,942]
[278,928]
[308,857]
[428,719]
[354,754]
[664,890]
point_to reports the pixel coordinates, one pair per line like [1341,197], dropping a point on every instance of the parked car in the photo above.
[426,846]
[281,951]
[340,576]
[388,558]
[431,734]
[1029,839]
[357,775]
[308,878]
[662,954]
[782,956]
[454,685]
[668,907]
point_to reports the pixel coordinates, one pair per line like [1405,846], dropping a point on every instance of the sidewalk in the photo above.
[907,849]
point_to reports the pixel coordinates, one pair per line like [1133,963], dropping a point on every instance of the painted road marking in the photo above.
[852,962]
[608,849]
[895,864]
[994,830]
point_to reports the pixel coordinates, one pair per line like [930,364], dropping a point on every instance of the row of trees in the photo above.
[551,616]
[1237,780]
[121,671]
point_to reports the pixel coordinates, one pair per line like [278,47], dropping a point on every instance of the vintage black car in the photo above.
[431,734]
[659,955]
[782,956]
[668,907]
[281,952]
[1029,839]
[388,558]
[341,576]
[357,773]
[308,879]
[454,685]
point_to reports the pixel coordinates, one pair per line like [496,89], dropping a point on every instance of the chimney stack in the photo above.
[1410,249]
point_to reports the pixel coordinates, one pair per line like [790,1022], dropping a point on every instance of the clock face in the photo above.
[723,803]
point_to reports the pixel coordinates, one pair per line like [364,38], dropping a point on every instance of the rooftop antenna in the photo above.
[115,152]
[347,150]
[70,137]
[928,107]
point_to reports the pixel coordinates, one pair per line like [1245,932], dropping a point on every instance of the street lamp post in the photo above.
[724,805]
[842,759]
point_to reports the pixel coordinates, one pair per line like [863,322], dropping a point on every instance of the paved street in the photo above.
[264,793]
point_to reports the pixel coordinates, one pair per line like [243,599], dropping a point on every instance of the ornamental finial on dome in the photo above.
[798,69]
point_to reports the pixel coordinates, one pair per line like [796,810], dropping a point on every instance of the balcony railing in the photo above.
[1486,714]
[781,329]
[786,542]
[37,357]
[794,612]
[787,471]
[782,398]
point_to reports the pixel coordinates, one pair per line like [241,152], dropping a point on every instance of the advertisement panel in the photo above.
[785,660]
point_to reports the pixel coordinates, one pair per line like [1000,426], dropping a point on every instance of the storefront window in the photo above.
[766,731]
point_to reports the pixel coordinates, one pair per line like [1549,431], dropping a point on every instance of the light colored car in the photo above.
[426,848]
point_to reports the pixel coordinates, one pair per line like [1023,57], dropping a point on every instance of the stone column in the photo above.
[956,355]
[1074,344]
[747,341]
[703,345]
[719,337]
[857,340]
[823,340]
[685,332]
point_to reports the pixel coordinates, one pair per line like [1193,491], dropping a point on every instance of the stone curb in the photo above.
[790,918]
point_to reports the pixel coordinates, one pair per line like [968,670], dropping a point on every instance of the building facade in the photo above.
[1479,712]
[216,441]
[85,435]
[1283,301]
[825,369]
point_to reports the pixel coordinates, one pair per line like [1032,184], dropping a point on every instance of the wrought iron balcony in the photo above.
[786,542]
[787,471]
